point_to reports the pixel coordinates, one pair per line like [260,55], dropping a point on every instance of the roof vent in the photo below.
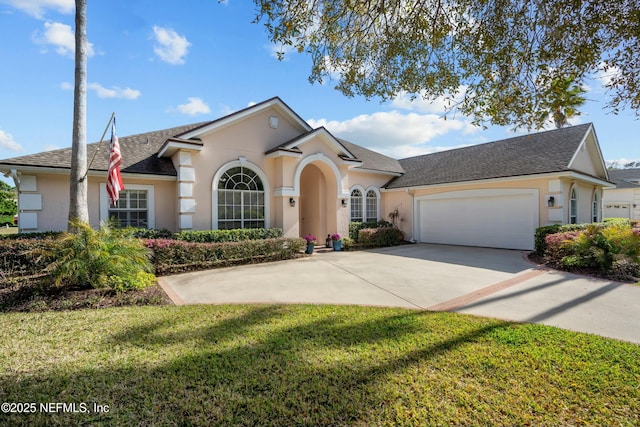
[273,122]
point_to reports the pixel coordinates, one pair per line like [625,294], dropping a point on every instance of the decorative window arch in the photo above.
[240,197]
[356,205]
[595,206]
[573,205]
[365,204]
[372,204]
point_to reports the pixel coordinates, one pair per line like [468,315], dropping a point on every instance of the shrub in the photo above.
[235,235]
[6,220]
[18,256]
[625,222]
[146,233]
[172,256]
[139,280]
[590,249]
[556,246]
[540,243]
[44,235]
[355,227]
[375,237]
[105,258]
[542,232]
[347,243]
[598,247]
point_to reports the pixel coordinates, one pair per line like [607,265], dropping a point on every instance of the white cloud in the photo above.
[395,134]
[61,37]
[66,86]
[422,104]
[606,77]
[7,142]
[50,147]
[113,92]
[194,107]
[281,51]
[171,47]
[621,162]
[36,8]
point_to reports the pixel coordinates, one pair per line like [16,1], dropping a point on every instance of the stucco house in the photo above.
[623,200]
[264,166]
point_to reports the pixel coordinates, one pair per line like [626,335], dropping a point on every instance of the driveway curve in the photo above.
[487,282]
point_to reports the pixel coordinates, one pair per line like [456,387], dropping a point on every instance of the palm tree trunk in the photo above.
[78,206]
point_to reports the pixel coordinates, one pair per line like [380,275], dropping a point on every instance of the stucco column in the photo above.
[186,180]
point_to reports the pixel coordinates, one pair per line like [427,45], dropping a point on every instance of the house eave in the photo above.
[6,169]
[375,171]
[173,145]
[296,154]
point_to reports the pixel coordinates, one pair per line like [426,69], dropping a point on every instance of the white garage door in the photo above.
[504,218]
[617,210]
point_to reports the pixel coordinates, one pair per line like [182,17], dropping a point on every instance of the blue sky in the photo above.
[164,63]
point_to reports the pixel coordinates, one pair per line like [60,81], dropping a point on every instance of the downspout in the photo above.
[414,215]
[16,181]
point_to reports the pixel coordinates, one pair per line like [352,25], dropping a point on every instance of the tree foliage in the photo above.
[8,196]
[498,61]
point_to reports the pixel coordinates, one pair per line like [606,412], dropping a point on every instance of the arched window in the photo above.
[573,206]
[240,199]
[356,205]
[371,206]
[595,209]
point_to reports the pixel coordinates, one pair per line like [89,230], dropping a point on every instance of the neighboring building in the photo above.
[264,166]
[623,200]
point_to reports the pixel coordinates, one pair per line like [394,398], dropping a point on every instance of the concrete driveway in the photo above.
[486,282]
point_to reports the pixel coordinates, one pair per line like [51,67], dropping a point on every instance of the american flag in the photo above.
[114,180]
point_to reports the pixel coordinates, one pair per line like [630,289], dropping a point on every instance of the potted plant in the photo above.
[311,242]
[336,240]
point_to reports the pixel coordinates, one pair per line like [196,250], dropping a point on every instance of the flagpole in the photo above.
[113,115]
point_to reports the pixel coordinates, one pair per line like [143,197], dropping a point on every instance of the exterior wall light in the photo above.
[292,202]
[344,203]
[551,201]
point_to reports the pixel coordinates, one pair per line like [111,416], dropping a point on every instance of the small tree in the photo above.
[8,204]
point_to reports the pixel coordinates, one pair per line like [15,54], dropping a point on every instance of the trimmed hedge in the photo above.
[376,237]
[173,256]
[235,235]
[355,227]
[211,236]
[18,257]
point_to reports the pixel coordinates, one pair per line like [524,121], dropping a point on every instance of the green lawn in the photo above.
[310,365]
[8,230]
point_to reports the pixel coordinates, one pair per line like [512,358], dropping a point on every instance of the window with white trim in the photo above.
[240,199]
[573,206]
[371,206]
[595,209]
[131,210]
[356,205]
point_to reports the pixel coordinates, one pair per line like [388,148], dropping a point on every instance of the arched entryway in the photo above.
[318,206]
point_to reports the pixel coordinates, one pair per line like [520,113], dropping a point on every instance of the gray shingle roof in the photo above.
[372,160]
[139,154]
[538,153]
[625,178]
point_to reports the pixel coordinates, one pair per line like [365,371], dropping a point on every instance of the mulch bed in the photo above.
[624,275]
[34,295]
